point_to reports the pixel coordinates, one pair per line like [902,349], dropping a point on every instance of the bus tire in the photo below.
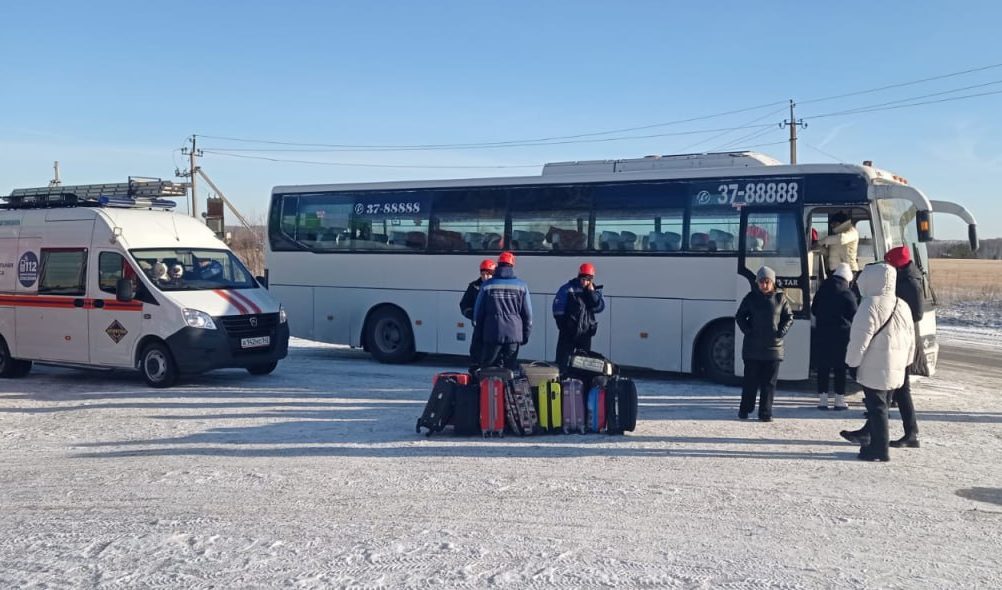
[157,366]
[11,368]
[389,335]
[716,353]
[262,368]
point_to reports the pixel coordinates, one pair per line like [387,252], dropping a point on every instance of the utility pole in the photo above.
[192,153]
[793,123]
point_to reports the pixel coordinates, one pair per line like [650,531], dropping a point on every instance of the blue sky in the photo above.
[113,88]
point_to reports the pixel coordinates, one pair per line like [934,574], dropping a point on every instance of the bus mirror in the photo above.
[923,223]
[972,236]
[124,290]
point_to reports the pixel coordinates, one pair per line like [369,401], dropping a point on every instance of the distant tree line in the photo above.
[987,249]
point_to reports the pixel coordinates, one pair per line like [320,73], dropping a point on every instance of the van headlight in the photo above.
[282,316]
[198,319]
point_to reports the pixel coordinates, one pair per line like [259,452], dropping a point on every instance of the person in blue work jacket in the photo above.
[503,314]
[574,309]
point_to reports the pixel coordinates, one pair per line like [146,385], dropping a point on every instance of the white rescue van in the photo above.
[107,276]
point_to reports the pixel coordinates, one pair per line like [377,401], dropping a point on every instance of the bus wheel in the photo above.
[158,366]
[262,368]
[717,353]
[11,368]
[389,336]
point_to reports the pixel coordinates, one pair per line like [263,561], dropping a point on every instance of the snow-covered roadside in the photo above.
[313,477]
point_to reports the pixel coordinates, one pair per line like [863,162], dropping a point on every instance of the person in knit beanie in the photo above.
[834,306]
[764,317]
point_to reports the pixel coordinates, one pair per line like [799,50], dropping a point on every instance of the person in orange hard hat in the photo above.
[503,314]
[487,267]
[574,309]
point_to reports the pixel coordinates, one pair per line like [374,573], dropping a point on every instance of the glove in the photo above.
[852,372]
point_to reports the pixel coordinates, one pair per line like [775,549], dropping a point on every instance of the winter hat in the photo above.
[844,271]
[898,257]
[586,269]
[766,273]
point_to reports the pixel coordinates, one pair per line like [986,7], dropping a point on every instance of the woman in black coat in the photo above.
[833,307]
[764,317]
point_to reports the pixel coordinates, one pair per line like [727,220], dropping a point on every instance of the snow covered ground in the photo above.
[313,478]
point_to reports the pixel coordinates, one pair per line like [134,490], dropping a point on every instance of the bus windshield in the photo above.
[897,219]
[187,269]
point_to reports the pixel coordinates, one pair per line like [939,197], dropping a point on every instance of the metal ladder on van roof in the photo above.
[141,193]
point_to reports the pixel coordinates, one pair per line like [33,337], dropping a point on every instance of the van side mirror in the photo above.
[263,281]
[124,291]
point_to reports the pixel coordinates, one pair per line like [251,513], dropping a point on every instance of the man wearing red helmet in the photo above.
[466,304]
[574,309]
[503,314]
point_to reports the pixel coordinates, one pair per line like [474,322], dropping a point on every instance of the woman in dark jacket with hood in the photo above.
[764,317]
[833,307]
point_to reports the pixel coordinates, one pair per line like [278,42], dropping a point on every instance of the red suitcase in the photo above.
[493,385]
[461,378]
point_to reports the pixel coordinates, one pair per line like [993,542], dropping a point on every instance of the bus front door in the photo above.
[775,237]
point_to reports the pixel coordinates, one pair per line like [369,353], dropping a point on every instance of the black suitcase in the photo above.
[620,405]
[440,407]
[466,416]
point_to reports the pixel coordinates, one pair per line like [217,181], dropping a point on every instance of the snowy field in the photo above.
[313,478]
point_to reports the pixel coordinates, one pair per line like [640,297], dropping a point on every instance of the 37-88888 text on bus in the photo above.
[386,208]
[758,193]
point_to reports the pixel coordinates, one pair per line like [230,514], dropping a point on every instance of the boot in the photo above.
[823,401]
[855,437]
[865,454]
[840,402]
[908,441]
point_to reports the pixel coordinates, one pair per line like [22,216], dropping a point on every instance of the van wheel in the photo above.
[157,366]
[717,353]
[389,336]
[262,368]
[11,368]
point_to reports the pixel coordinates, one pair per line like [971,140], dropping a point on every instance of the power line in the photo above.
[362,165]
[541,140]
[875,108]
[689,147]
[902,84]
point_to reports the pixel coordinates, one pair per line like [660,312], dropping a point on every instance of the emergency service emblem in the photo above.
[116,331]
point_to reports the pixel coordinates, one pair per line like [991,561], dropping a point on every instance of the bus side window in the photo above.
[537,225]
[634,218]
[468,219]
[714,230]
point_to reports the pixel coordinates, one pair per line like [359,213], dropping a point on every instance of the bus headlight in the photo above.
[198,319]
[282,316]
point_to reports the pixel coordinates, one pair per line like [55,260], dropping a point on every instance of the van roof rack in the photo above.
[137,193]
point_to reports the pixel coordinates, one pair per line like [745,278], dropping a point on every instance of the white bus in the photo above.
[382,266]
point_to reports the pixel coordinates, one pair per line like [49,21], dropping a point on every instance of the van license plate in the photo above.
[255,342]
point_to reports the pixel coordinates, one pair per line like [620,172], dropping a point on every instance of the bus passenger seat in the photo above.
[474,240]
[416,239]
[609,240]
[723,240]
[699,241]
[629,241]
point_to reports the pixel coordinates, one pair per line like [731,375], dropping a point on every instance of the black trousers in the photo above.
[839,374]
[903,395]
[876,402]
[760,377]
[567,343]
[476,348]
[500,355]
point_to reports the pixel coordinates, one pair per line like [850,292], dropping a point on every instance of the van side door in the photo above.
[115,326]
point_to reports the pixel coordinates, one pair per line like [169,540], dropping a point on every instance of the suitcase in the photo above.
[520,407]
[595,406]
[620,405]
[493,387]
[466,412]
[549,406]
[440,406]
[461,378]
[573,410]
[538,372]
[587,363]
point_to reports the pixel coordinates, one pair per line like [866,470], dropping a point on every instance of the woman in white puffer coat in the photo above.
[881,346]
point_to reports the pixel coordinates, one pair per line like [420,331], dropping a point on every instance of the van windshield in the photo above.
[188,269]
